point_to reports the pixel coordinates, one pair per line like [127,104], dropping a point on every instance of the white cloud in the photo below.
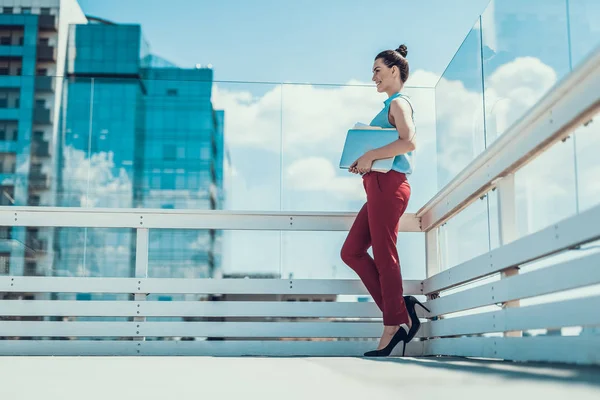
[250,120]
[459,127]
[423,79]
[588,163]
[315,120]
[306,177]
[309,123]
[105,189]
[545,188]
[303,115]
[317,174]
[510,91]
[513,89]
[490,38]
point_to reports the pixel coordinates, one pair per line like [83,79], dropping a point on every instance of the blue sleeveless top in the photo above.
[405,162]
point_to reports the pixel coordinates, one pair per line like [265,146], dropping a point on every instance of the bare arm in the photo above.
[400,112]
[401,115]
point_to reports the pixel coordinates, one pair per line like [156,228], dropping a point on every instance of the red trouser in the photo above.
[377,225]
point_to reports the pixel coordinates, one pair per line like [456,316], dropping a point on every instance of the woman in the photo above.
[387,197]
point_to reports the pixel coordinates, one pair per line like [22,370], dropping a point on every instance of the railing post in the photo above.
[432,252]
[507,224]
[141,267]
[432,259]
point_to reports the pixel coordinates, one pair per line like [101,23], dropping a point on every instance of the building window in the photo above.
[169,152]
[7,10]
[172,92]
[83,296]
[5,41]
[30,269]
[3,102]
[33,200]
[25,10]
[4,263]
[5,232]
[17,102]
[42,71]
[8,163]
[167,182]
[35,168]
[4,71]
[40,103]
[205,153]
[21,40]
[45,11]
[7,195]
[7,133]
[44,42]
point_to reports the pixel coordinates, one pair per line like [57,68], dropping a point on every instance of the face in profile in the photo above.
[382,76]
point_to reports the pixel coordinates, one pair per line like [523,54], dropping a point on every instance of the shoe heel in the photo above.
[425,308]
[403,348]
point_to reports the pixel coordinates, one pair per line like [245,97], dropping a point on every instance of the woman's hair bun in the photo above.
[403,50]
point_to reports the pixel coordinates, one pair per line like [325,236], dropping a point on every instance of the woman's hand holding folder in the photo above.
[363,164]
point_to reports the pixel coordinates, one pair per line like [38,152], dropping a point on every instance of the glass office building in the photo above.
[89,117]
[135,131]
[31,46]
[101,128]
[18,58]
[182,167]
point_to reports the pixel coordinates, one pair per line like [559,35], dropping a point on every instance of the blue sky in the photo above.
[285,140]
[314,41]
[331,41]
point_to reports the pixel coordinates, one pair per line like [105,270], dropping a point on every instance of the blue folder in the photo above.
[361,140]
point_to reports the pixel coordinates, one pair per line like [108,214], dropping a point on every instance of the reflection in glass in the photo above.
[584,28]
[588,163]
[315,122]
[525,52]
[546,190]
[183,253]
[251,254]
[465,236]
[459,110]
[252,131]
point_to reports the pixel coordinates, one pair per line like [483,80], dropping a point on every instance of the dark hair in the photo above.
[398,58]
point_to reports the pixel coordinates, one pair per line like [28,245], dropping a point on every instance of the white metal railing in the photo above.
[347,328]
[273,319]
[344,328]
[73,217]
[571,103]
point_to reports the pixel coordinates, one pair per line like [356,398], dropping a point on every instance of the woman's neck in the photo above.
[394,91]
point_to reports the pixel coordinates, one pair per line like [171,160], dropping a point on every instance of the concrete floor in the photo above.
[167,378]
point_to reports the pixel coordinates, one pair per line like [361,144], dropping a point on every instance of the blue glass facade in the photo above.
[99,49]
[179,164]
[19,115]
[135,135]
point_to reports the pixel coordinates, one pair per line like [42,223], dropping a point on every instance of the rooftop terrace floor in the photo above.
[168,378]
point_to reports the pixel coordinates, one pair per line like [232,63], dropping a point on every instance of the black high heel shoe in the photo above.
[411,302]
[400,336]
